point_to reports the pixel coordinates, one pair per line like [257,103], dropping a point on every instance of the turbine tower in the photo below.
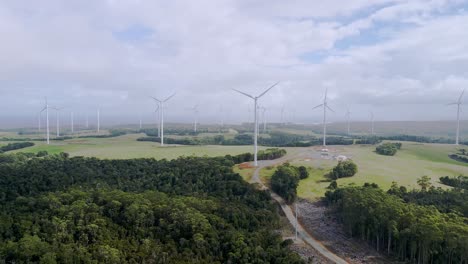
[255,98]
[46,108]
[72,124]
[98,120]
[57,111]
[87,120]
[39,120]
[264,118]
[161,114]
[372,122]
[282,116]
[458,103]
[195,121]
[348,117]
[325,107]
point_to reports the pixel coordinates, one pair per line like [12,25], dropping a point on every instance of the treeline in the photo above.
[58,209]
[388,149]
[267,154]
[457,182]
[285,180]
[405,230]
[14,146]
[446,201]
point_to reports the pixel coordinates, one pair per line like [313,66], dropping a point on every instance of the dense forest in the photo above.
[457,182]
[285,180]
[411,226]
[58,209]
[16,145]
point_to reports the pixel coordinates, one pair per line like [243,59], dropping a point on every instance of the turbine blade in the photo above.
[329,108]
[267,90]
[461,95]
[169,97]
[320,105]
[248,95]
[155,98]
[452,103]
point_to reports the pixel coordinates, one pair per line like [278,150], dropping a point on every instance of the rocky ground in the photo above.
[329,232]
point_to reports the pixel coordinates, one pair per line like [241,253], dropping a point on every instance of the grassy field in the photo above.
[124,147]
[410,163]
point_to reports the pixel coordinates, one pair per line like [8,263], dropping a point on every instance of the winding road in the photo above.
[301,232]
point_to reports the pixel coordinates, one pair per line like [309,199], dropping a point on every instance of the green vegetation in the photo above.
[457,182]
[285,180]
[61,209]
[406,230]
[388,149]
[343,169]
[14,146]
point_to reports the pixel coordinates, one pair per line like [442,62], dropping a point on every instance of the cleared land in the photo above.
[124,147]
[410,163]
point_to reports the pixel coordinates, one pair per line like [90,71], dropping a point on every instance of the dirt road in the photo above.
[302,234]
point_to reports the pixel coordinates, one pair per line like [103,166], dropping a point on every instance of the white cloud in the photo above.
[69,52]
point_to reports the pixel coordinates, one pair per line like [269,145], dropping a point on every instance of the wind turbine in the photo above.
[72,124]
[348,117]
[46,108]
[458,103]
[325,107]
[39,120]
[255,98]
[264,118]
[87,120]
[98,120]
[140,120]
[372,122]
[161,113]
[195,122]
[57,111]
[282,116]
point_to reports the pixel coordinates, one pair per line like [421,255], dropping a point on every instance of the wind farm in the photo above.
[234,132]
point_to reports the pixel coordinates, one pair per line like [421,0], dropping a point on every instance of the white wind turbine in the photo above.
[372,122]
[255,98]
[39,120]
[458,103]
[195,121]
[264,118]
[348,117]
[98,120]
[87,120]
[57,111]
[161,114]
[325,107]
[72,122]
[46,108]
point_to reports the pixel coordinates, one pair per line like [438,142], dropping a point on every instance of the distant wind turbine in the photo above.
[195,121]
[458,103]
[87,120]
[348,117]
[325,107]
[372,122]
[98,120]
[255,98]
[39,120]
[46,108]
[57,111]
[161,112]
[282,116]
[72,123]
[264,118]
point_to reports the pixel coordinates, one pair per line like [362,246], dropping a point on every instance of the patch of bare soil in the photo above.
[324,227]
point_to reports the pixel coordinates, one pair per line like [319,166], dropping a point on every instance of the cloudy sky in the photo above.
[403,60]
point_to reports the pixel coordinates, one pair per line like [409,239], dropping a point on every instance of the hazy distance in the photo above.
[404,60]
